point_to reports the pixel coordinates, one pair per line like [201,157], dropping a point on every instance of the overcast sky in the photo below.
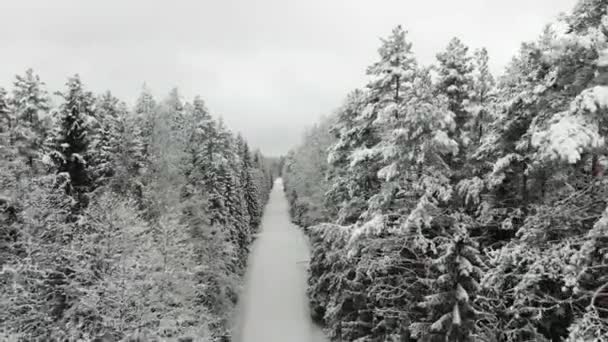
[270,68]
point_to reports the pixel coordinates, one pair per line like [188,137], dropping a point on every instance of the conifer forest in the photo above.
[441,202]
[446,204]
[133,223]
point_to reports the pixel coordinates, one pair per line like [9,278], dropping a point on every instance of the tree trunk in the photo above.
[524,186]
[405,335]
[596,167]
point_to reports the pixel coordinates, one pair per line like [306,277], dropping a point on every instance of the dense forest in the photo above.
[446,204]
[121,223]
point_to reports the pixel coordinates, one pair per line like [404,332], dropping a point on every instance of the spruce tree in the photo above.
[175,109]
[199,132]
[146,116]
[6,119]
[30,104]
[391,76]
[130,160]
[450,308]
[455,80]
[252,193]
[105,138]
[340,199]
[482,95]
[71,137]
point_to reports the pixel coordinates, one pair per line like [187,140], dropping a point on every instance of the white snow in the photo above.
[445,143]
[274,307]
[568,138]
[370,228]
[504,162]
[388,172]
[360,155]
[603,58]
[592,99]
[461,294]
[456,320]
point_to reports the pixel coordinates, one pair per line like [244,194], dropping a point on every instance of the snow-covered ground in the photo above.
[274,307]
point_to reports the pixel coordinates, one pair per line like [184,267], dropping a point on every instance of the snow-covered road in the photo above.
[274,307]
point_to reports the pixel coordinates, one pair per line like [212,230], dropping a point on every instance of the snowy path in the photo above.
[274,307]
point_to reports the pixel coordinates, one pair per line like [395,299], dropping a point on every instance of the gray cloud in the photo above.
[268,67]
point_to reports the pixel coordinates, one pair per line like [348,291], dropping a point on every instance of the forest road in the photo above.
[273,306]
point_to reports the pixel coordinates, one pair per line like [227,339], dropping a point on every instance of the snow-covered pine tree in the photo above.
[587,14]
[341,199]
[215,277]
[36,261]
[175,109]
[391,77]
[260,176]
[113,282]
[581,128]
[481,95]
[171,300]
[560,143]
[198,132]
[456,81]
[105,139]
[232,214]
[237,209]
[217,286]
[30,104]
[587,276]
[307,175]
[409,206]
[6,122]
[5,113]
[522,93]
[146,116]
[214,187]
[391,80]
[251,191]
[482,113]
[459,269]
[415,178]
[71,137]
[129,159]
[481,107]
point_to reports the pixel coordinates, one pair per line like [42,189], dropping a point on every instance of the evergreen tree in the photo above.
[105,139]
[306,176]
[71,138]
[251,192]
[129,159]
[200,134]
[481,95]
[451,312]
[340,199]
[6,119]
[391,76]
[455,80]
[390,79]
[145,111]
[30,104]
[175,110]
[414,149]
